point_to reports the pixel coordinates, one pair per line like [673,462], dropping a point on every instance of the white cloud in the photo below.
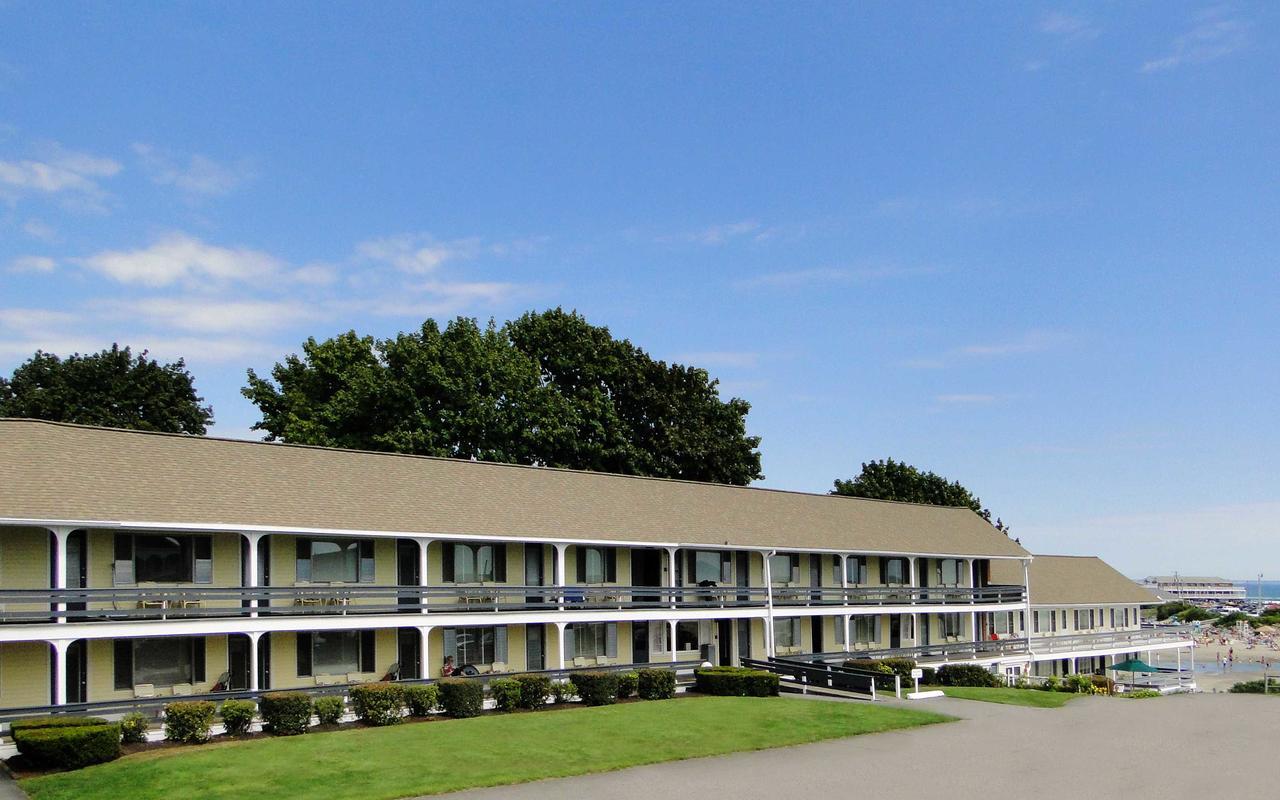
[194,175]
[823,276]
[37,229]
[1057,23]
[203,315]
[436,298]
[967,399]
[1213,37]
[32,264]
[178,257]
[1030,342]
[717,234]
[63,171]
[33,320]
[718,358]
[416,253]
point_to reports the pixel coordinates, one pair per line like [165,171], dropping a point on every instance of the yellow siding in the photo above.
[24,558]
[101,669]
[24,674]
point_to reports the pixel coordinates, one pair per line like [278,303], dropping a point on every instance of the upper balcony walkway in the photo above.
[159,603]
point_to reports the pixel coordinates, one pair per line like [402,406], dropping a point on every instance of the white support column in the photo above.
[423,583]
[561,549]
[1073,666]
[671,638]
[251,568]
[911,571]
[973,626]
[254,659]
[768,597]
[60,671]
[424,654]
[673,554]
[848,646]
[560,626]
[60,535]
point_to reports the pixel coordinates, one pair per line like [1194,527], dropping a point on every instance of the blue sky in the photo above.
[1029,246]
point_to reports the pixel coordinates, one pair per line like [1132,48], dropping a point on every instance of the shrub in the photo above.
[595,688]
[378,703]
[328,709]
[900,666]
[68,746]
[534,690]
[735,682]
[562,693]
[54,722]
[461,697]
[285,713]
[967,675]
[133,728]
[1079,684]
[1142,694]
[506,693]
[655,684]
[1102,684]
[929,676]
[870,665]
[627,684]
[422,700]
[1249,687]
[237,716]
[188,721]
[1050,684]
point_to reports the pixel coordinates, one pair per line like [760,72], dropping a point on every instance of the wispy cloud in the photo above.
[1214,36]
[967,399]
[826,276]
[200,314]
[58,172]
[1030,342]
[718,358]
[716,234]
[32,264]
[37,229]
[195,175]
[178,257]
[1067,26]
[417,253]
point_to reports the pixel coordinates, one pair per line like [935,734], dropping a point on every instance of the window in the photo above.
[784,568]
[1002,623]
[335,652]
[711,566]
[1113,617]
[597,565]
[949,571]
[864,630]
[474,646]
[893,571]
[592,639]
[465,562]
[687,635]
[951,625]
[334,560]
[150,558]
[1126,617]
[1045,621]
[162,661]
[786,632]
[855,569]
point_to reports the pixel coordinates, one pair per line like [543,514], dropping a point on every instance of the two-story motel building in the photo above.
[140,565]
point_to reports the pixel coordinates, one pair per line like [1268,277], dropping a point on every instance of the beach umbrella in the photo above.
[1131,666]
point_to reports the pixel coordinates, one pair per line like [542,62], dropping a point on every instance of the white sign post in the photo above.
[916,675]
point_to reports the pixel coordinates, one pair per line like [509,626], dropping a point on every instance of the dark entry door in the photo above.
[724,643]
[646,570]
[815,624]
[533,572]
[407,573]
[895,630]
[640,643]
[409,653]
[77,672]
[237,662]
[534,648]
[743,575]
[744,638]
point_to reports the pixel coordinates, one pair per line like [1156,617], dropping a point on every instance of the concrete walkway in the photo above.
[1095,747]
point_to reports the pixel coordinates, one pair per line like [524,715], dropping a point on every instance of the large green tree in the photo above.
[113,388]
[548,388]
[896,480]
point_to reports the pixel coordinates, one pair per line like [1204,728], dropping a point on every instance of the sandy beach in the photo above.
[1247,665]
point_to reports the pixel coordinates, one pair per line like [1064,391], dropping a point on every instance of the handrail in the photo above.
[1052,644]
[896,595]
[819,675]
[943,650]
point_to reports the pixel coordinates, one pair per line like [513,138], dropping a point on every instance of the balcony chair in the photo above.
[181,689]
[602,661]
[356,677]
[579,661]
[393,673]
[144,690]
[498,666]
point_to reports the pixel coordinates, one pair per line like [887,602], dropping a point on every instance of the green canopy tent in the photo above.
[1131,666]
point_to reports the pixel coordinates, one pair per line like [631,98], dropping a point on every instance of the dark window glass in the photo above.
[162,661]
[162,559]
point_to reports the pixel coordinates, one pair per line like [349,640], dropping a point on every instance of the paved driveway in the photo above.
[1189,746]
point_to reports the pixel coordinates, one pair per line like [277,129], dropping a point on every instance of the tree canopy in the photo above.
[547,388]
[112,388]
[896,480]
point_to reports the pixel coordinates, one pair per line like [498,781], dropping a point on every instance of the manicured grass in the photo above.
[1013,697]
[448,755]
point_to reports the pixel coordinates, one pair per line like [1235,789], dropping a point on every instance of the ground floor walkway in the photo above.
[1185,746]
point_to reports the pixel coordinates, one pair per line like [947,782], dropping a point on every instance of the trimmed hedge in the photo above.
[735,682]
[188,721]
[422,700]
[237,716]
[627,682]
[506,693]
[967,675]
[328,709]
[378,703]
[655,684]
[595,688]
[534,690]
[54,722]
[285,713]
[561,693]
[68,746]
[133,728]
[461,697]
[1248,687]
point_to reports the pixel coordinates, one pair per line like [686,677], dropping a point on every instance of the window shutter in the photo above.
[568,643]
[835,570]
[451,644]
[840,623]
[203,567]
[304,654]
[795,567]
[123,664]
[726,567]
[691,565]
[500,643]
[197,659]
[368,654]
[500,566]
[611,565]
[580,559]
[884,570]
[875,630]
[122,569]
[446,566]
[366,573]
[611,640]
[302,556]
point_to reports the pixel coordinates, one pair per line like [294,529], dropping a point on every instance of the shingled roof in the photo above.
[57,471]
[1073,580]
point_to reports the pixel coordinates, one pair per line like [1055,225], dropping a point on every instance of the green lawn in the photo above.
[448,755]
[1013,697]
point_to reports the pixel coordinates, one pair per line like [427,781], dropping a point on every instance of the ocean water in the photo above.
[1270,589]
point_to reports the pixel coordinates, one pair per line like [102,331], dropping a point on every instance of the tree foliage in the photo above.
[896,480]
[112,388]
[548,388]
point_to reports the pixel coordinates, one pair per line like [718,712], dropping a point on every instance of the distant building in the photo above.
[1192,587]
